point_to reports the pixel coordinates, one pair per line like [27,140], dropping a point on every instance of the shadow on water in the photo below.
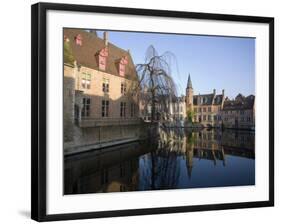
[176,159]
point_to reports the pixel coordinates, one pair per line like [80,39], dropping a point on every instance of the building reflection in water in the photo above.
[177,159]
[106,170]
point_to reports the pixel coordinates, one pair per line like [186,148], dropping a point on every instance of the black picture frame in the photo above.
[39,107]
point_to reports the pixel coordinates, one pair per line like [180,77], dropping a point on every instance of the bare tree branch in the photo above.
[156,81]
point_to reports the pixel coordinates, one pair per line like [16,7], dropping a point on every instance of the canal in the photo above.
[175,159]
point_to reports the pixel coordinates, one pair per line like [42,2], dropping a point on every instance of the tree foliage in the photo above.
[67,53]
[190,114]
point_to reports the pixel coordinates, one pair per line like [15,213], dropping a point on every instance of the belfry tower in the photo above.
[189,96]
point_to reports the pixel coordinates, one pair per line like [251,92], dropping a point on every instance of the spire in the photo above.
[189,83]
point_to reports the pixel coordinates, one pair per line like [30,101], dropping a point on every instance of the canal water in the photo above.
[175,159]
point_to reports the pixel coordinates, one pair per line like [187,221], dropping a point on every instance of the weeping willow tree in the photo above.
[155,80]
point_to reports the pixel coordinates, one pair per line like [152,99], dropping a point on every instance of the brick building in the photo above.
[216,110]
[205,108]
[239,113]
[99,89]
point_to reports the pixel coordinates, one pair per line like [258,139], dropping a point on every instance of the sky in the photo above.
[213,62]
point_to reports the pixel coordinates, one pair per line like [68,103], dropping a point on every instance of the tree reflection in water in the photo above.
[160,170]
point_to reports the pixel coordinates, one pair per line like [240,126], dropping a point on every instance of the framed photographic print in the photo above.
[139,111]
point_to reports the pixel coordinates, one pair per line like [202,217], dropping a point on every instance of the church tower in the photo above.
[189,95]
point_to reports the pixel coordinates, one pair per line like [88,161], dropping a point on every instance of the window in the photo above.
[104,108]
[149,109]
[215,117]
[121,69]
[209,117]
[102,62]
[86,107]
[86,81]
[204,109]
[105,85]
[122,109]
[204,118]
[248,118]
[78,40]
[133,109]
[176,108]
[241,112]
[122,65]
[200,109]
[123,88]
[104,176]
[195,110]
[209,109]
[122,170]
[195,117]
[102,56]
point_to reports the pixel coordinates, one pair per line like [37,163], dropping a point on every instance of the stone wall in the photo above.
[68,102]
[89,138]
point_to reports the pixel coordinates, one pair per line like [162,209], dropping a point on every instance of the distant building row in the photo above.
[216,110]
[208,110]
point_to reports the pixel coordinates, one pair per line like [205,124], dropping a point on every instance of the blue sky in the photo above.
[213,62]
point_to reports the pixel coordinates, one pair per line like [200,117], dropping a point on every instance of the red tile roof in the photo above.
[86,54]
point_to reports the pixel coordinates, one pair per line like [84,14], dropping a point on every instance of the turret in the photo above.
[189,95]
[189,83]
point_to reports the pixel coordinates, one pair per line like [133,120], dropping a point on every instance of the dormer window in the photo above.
[102,56]
[122,65]
[78,40]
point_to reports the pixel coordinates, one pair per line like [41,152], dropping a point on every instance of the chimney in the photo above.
[223,92]
[214,91]
[105,38]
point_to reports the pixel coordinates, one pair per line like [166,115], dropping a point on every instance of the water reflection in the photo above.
[176,159]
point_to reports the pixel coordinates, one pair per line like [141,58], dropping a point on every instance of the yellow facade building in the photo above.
[100,89]
[204,108]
